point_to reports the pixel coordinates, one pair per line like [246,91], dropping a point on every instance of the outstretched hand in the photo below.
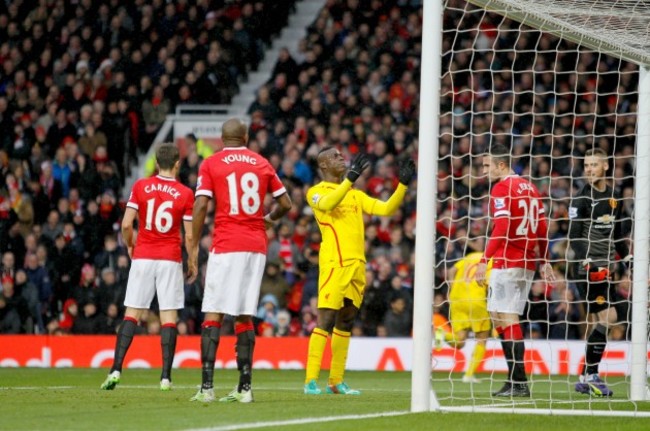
[547,273]
[406,171]
[359,164]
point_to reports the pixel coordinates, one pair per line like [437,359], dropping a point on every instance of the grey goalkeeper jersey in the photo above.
[595,230]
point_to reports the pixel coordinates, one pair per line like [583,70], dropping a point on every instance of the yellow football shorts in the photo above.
[468,313]
[335,284]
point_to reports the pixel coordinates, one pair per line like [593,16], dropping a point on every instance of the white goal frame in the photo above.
[423,397]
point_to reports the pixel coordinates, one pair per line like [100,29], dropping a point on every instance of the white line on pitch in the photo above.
[302,421]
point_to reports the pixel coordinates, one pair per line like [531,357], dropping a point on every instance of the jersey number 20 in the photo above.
[530,218]
[244,193]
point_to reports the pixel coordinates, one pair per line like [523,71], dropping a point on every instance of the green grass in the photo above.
[70,399]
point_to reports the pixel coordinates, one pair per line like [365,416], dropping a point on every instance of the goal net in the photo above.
[550,80]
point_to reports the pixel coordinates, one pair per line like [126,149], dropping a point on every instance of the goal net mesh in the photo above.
[549,99]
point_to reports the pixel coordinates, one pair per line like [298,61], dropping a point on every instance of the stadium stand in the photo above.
[82,88]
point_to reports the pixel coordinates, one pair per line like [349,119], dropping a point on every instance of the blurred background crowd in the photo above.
[85,86]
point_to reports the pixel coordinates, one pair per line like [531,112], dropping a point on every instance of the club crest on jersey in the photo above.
[315,198]
[613,203]
[499,203]
[573,212]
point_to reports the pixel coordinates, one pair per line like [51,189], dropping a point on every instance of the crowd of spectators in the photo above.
[354,83]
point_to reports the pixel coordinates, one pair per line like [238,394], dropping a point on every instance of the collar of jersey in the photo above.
[234,148]
[165,178]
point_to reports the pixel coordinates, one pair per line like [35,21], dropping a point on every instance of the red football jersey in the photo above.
[519,202]
[162,204]
[238,180]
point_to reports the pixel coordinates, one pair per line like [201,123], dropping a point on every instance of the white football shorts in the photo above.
[148,277]
[232,283]
[508,289]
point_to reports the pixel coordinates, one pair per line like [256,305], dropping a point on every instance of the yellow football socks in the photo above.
[450,339]
[477,357]
[317,342]
[340,347]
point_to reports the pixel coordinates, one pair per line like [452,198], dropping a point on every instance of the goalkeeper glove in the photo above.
[627,262]
[406,171]
[595,273]
[359,164]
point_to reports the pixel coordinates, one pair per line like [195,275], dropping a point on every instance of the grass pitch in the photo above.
[70,399]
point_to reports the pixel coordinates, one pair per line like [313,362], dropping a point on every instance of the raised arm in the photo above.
[405,173]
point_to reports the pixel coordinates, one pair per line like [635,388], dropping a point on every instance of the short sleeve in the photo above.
[189,206]
[204,181]
[134,197]
[276,188]
[499,203]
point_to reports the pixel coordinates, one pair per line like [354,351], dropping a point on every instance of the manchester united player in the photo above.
[595,236]
[161,205]
[238,180]
[519,227]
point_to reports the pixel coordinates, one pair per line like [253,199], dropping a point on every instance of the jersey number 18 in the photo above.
[244,193]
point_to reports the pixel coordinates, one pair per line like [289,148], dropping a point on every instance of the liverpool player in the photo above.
[238,180]
[519,228]
[339,209]
[161,205]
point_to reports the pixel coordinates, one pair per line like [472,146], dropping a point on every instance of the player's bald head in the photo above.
[234,133]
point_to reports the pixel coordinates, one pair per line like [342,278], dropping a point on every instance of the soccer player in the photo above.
[338,209]
[161,205]
[519,227]
[237,179]
[468,310]
[595,235]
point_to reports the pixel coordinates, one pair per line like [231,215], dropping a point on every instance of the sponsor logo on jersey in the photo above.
[606,219]
[499,203]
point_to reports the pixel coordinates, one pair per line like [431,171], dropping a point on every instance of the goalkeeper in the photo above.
[596,235]
[339,209]
[468,310]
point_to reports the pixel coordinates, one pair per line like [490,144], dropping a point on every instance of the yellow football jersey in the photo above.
[342,229]
[464,286]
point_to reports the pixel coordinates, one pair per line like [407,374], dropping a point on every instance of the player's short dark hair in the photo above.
[597,152]
[500,153]
[324,149]
[167,155]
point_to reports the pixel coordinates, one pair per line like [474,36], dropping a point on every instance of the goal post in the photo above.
[602,29]
[421,397]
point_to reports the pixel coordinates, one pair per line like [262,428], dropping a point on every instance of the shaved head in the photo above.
[234,133]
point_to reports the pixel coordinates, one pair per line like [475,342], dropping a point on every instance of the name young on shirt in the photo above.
[244,158]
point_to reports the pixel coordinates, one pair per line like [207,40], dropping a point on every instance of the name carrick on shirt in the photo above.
[162,204]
